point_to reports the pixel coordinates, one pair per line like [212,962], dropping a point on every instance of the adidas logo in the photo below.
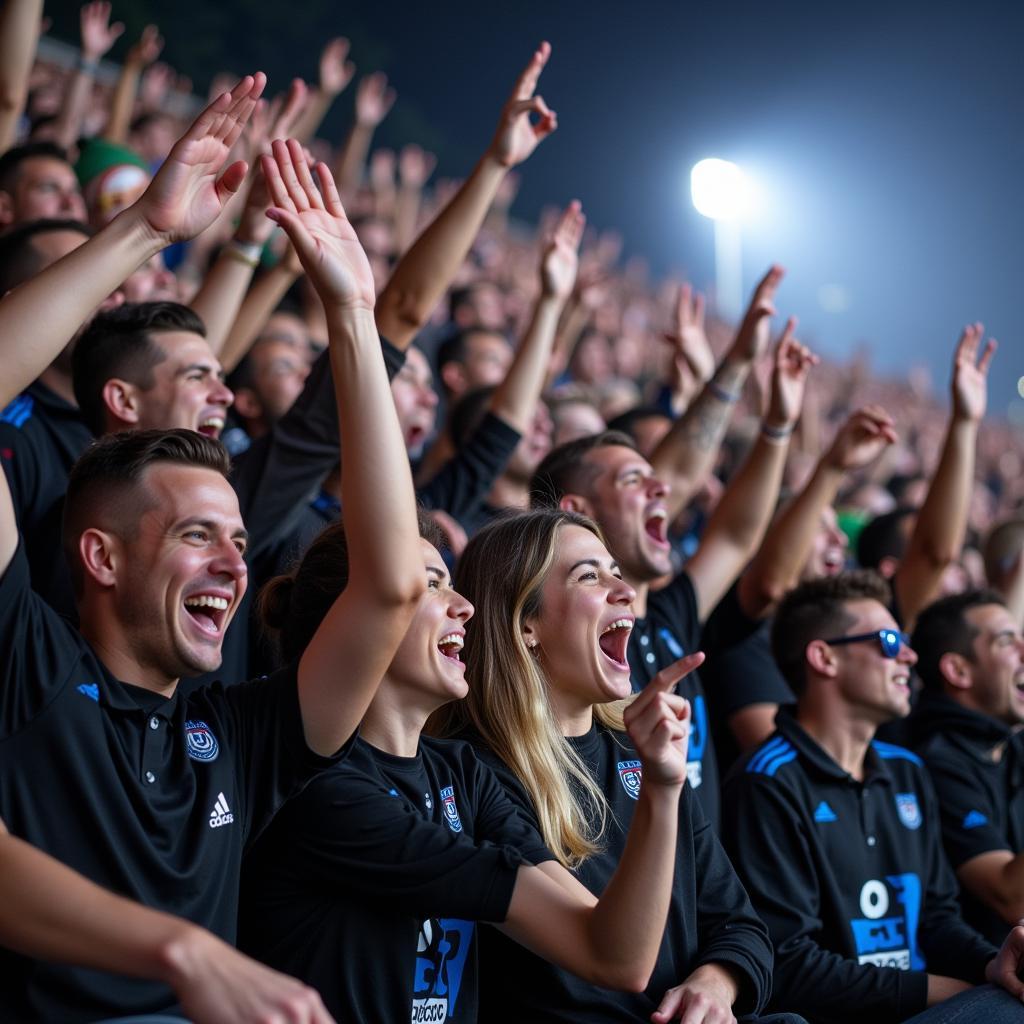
[974,819]
[824,813]
[221,813]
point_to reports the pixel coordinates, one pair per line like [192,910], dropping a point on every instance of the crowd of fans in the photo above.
[687,663]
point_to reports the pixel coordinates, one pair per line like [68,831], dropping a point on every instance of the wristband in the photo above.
[248,253]
[88,65]
[721,394]
[776,435]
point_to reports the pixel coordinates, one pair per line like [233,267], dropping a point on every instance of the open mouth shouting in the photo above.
[450,645]
[212,425]
[614,641]
[656,526]
[209,612]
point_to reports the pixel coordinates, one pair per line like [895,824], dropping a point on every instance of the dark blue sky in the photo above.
[887,141]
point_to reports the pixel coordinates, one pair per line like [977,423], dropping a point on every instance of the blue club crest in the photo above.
[451,812]
[908,810]
[632,776]
[201,743]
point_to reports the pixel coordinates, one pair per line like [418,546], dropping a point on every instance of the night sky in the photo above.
[885,140]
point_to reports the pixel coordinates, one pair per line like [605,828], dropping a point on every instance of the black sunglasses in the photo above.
[890,640]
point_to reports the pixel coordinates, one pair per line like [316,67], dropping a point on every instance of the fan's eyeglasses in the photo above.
[890,640]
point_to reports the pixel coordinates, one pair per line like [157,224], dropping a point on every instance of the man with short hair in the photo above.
[474,357]
[968,727]
[36,183]
[836,836]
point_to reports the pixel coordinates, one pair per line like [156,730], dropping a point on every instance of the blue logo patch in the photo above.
[632,777]
[908,810]
[90,690]
[974,819]
[201,743]
[441,952]
[451,812]
[825,813]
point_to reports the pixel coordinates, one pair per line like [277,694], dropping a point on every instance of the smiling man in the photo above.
[968,721]
[836,836]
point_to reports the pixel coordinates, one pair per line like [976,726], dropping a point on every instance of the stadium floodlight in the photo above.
[720,192]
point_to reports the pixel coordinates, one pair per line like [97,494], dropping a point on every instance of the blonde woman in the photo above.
[548,686]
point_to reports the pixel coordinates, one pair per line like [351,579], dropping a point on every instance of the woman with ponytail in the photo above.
[549,685]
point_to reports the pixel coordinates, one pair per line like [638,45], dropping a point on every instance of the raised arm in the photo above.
[428,268]
[939,531]
[139,57]
[742,516]
[776,568]
[373,101]
[687,452]
[335,74]
[50,912]
[19,36]
[98,36]
[186,195]
[363,628]
[614,941]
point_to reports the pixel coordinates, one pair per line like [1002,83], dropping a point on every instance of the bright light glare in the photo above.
[719,189]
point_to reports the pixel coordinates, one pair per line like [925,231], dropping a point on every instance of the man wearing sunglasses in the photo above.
[837,836]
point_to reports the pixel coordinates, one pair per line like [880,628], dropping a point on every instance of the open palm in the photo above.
[318,228]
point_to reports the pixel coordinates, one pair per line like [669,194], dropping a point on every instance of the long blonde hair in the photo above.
[501,572]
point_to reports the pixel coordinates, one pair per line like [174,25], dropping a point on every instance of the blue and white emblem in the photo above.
[451,812]
[908,810]
[632,777]
[201,743]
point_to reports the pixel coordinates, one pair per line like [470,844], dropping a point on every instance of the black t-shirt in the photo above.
[977,766]
[739,671]
[151,797]
[849,877]
[670,630]
[710,918]
[41,437]
[367,886]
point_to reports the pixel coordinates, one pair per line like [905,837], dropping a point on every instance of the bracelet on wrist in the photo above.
[248,253]
[776,435]
[87,64]
[721,394]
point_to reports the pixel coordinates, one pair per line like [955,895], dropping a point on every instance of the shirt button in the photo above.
[645,639]
[154,722]
[871,840]
[150,777]
[650,658]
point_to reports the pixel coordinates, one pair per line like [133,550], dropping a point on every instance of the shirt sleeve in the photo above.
[41,650]
[772,855]
[969,820]
[355,835]
[21,467]
[730,931]
[949,944]
[464,480]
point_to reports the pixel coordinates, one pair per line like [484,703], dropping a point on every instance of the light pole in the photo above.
[719,192]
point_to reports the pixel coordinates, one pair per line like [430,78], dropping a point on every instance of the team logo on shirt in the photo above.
[441,953]
[908,810]
[632,777]
[886,934]
[451,812]
[201,743]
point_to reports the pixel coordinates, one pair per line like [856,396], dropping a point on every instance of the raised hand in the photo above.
[658,723]
[755,331]
[98,35]
[157,81]
[374,99]
[970,374]
[861,439]
[793,362]
[561,255]
[335,71]
[189,190]
[148,48]
[688,340]
[415,166]
[517,136]
[316,225]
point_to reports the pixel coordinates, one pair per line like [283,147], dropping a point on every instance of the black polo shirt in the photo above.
[153,798]
[977,766]
[710,919]
[41,437]
[367,886]
[670,630]
[849,877]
